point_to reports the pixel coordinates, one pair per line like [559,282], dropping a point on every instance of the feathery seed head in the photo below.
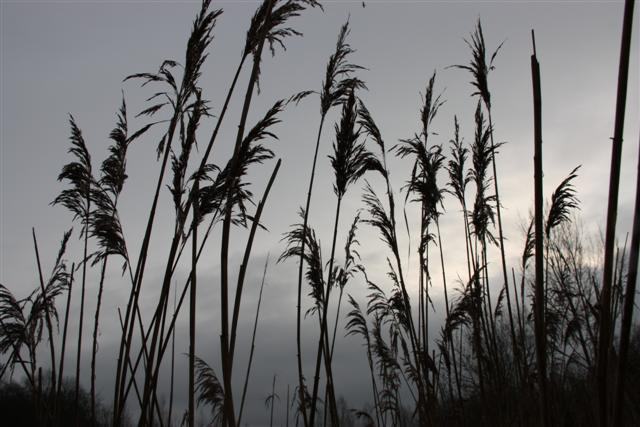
[563,200]
[479,66]
[350,158]
[338,82]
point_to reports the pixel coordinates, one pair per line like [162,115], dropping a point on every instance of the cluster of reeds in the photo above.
[201,191]
[553,348]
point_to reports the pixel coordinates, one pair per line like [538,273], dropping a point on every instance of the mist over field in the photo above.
[300,212]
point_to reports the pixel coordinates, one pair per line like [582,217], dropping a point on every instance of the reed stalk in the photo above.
[229,413]
[192,308]
[253,344]
[334,88]
[606,323]
[45,297]
[539,304]
[627,312]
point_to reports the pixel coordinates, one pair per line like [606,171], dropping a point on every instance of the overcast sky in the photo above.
[61,57]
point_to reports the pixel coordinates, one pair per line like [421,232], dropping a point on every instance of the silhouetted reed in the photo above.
[533,363]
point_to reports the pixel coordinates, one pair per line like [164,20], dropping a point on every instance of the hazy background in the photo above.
[60,57]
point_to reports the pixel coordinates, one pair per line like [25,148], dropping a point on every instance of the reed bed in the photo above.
[549,341]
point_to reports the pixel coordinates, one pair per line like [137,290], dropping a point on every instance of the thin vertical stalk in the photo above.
[446,301]
[149,377]
[229,413]
[192,307]
[64,334]
[273,398]
[171,328]
[173,364]
[160,314]
[247,255]
[253,343]
[376,400]
[479,323]
[472,265]
[627,313]
[47,316]
[52,350]
[132,306]
[39,408]
[489,306]
[176,311]
[94,347]
[323,328]
[195,49]
[335,326]
[499,217]
[539,315]
[505,275]
[287,407]
[520,325]
[522,308]
[605,326]
[134,294]
[424,295]
[81,314]
[133,300]
[133,382]
[301,386]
